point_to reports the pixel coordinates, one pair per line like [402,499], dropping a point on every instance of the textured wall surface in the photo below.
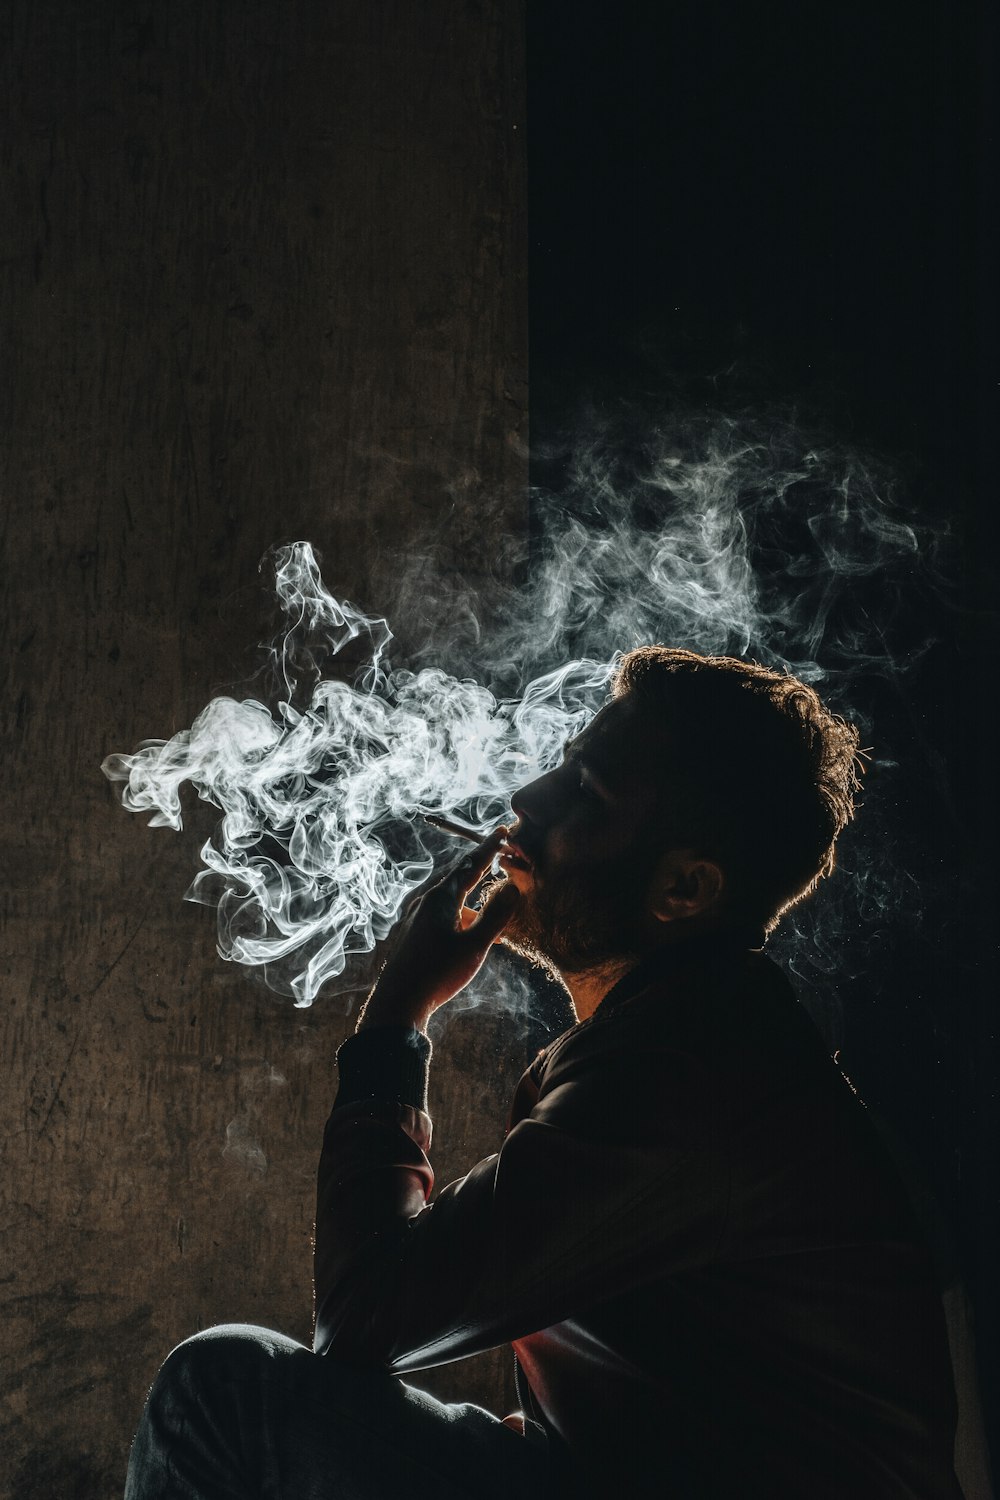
[263,277]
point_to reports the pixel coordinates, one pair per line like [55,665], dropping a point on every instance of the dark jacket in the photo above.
[692,1236]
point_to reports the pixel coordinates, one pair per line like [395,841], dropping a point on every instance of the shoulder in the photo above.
[714,1035]
[722,1011]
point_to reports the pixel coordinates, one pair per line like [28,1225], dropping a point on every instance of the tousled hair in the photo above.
[760,774]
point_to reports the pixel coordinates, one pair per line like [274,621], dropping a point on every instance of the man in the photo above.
[706,1265]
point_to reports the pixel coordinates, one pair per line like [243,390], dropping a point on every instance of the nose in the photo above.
[533,803]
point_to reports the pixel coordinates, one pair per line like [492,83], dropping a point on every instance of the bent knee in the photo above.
[231,1351]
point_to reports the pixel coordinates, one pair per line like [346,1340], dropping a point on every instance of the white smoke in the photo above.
[725,536]
[242,1148]
[317,848]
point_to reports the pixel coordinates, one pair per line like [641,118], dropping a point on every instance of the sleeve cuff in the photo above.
[384,1062]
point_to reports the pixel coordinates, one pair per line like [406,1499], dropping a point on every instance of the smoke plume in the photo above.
[725,535]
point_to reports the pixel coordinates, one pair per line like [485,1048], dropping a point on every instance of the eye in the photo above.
[578,777]
[585,786]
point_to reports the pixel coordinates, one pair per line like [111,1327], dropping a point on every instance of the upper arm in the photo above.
[608,1182]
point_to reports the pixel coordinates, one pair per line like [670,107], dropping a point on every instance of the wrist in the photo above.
[390,1008]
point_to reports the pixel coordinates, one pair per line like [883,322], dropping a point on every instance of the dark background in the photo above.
[794,203]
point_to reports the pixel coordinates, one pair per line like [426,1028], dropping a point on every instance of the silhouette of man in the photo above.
[691,1235]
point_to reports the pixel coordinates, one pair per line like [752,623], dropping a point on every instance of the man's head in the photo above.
[708,793]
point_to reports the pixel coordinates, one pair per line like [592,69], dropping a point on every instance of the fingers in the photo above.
[443,903]
[460,875]
[470,869]
[488,923]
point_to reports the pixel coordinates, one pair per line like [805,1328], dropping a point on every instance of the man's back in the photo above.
[768,1322]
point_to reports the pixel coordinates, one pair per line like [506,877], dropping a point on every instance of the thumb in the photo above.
[494,917]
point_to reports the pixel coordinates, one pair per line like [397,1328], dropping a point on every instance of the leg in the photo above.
[240,1413]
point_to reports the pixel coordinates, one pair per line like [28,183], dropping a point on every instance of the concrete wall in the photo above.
[263,277]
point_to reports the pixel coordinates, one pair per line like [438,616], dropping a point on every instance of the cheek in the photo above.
[570,846]
[595,832]
[579,857]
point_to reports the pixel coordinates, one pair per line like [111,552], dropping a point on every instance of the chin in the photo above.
[528,949]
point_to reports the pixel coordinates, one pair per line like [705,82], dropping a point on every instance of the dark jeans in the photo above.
[240,1412]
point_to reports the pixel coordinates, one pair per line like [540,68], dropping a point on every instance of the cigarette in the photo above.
[448,825]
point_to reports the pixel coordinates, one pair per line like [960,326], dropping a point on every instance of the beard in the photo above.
[586,920]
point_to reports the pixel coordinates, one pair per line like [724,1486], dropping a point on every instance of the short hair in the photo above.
[764,774]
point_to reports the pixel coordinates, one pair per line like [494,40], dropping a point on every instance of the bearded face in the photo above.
[583,852]
[584,916]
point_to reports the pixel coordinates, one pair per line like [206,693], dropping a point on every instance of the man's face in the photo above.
[582,853]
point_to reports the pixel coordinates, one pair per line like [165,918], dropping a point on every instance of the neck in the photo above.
[588,989]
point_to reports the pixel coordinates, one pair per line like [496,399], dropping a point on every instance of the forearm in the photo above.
[606,1183]
[393,1006]
[374,1175]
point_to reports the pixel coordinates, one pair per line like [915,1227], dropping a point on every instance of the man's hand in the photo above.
[441,943]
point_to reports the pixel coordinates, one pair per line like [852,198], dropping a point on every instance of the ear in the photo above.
[684,885]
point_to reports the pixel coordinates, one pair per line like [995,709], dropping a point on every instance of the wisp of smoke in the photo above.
[317,848]
[721,535]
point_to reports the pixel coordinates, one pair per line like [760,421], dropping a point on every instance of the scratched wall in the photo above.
[263,270]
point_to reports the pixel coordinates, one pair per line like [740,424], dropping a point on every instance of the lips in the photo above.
[512,853]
